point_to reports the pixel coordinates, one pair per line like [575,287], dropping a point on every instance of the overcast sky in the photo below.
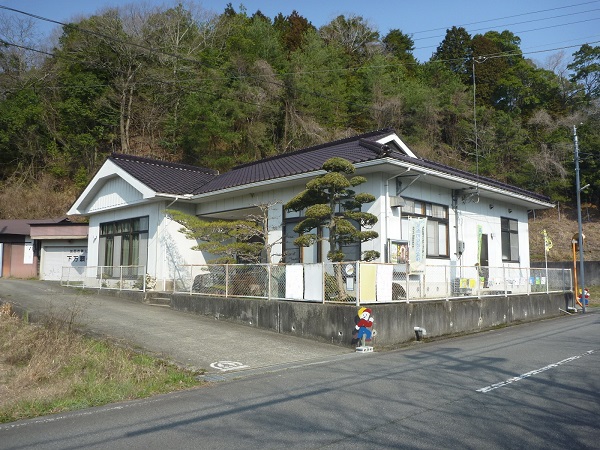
[545,26]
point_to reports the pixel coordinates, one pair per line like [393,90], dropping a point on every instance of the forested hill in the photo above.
[180,84]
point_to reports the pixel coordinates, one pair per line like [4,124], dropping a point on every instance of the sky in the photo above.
[546,27]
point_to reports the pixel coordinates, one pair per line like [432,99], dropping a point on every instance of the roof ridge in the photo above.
[318,146]
[157,162]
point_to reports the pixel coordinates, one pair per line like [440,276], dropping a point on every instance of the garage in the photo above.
[55,257]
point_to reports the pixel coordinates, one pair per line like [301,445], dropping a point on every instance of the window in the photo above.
[437,225]
[124,243]
[316,252]
[510,239]
[291,251]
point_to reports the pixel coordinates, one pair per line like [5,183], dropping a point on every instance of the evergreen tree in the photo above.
[330,202]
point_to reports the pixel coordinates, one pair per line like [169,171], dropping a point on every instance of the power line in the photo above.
[527,21]
[509,17]
[111,38]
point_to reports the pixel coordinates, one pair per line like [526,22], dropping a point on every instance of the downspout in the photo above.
[385,220]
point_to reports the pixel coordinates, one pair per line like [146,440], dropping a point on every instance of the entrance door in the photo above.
[484,261]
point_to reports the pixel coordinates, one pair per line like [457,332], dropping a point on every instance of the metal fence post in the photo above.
[447,283]
[269,281]
[226,280]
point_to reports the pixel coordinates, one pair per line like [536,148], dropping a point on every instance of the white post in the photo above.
[322,281]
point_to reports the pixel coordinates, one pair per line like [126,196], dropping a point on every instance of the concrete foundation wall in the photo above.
[394,322]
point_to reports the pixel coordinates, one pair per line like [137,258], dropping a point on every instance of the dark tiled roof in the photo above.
[164,177]
[355,149]
[22,226]
[468,176]
[183,179]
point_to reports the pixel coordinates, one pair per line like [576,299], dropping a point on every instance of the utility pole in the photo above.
[580,234]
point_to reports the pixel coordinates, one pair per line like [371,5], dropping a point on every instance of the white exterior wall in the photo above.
[173,248]
[463,225]
[116,192]
[480,214]
[375,186]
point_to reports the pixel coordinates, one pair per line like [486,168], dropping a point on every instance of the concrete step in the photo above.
[159,301]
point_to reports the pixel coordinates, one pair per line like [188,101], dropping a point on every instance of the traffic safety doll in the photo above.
[584,297]
[362,329]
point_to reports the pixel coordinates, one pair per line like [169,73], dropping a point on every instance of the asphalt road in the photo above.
[533,386]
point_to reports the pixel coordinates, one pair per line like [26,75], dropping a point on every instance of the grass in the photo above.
[49,368]
[561,225]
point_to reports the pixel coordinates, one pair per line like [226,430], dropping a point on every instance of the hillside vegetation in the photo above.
[178,83]
[561,226]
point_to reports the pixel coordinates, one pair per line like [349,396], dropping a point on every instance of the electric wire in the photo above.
[508,17]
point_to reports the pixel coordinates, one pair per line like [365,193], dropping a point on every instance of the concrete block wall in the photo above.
[394,322]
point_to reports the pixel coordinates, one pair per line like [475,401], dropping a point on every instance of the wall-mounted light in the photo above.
[509,210]
[491,206]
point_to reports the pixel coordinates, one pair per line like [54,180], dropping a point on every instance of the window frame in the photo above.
[509,237]
[437,215]
[113,235]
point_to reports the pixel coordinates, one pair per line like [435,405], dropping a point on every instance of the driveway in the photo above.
[218,347]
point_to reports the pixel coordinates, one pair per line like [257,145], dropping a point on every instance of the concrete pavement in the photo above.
[220,348]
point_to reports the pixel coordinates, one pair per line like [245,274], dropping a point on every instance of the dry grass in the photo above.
[48,368]
[561,225]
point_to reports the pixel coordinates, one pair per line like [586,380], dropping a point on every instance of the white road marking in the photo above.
[228,365]
[533,372]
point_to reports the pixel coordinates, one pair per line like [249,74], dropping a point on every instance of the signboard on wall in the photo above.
[398,252]
[28,253]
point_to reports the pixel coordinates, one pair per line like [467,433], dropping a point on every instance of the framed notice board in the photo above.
[398,252]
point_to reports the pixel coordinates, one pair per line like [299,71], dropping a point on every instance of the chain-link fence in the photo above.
[347,282]
[227,280]
[106,277]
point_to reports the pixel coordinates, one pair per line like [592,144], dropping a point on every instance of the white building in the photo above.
[442,215]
